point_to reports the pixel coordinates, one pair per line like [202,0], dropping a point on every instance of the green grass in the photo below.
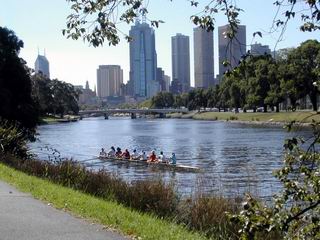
[261,117]
[111,214]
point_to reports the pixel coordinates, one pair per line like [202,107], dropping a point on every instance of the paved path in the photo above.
[25,218]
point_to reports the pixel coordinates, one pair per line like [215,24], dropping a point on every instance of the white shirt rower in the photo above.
[135,155]
[143,156]
[102,154]
[162,158]
[112,152]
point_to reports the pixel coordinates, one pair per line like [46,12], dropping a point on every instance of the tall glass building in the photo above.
[143,60]
[42,65]
[231,50]
[203,58]
[180,55]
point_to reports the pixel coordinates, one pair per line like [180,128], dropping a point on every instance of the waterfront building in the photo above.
[231,50]
[143,60]
[259,49]
[109,80]
[87,96]
[203,58]
[160,79]
[42,65]
[167,83]
[180,50]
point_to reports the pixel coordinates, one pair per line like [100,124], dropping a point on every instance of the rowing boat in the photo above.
[175,167]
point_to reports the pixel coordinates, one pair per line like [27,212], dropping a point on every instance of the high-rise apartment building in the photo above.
[259,49]
[42,65]
[109,80]
[231,50]
[203,58]
[143,60]
[180,50]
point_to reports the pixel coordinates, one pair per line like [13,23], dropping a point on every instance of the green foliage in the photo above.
[12,139]
[54,96]
[97,20]
[16,103]
[305,62]
[295,210]
[163,100]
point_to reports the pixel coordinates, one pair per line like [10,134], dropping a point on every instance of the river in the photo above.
[235,158]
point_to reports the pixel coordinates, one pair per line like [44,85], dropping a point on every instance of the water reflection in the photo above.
[235,158]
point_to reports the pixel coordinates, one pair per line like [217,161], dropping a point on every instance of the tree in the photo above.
[54,96]
[97,20]
[305,62]
[163,100]
[65,98]
[295,211]
[15,83]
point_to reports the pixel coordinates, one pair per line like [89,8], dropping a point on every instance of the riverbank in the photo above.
[270,118]
[113,215]
[54,119]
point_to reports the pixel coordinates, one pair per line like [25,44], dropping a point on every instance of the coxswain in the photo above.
[173,159]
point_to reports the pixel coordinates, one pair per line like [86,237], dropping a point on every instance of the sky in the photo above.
[39,23]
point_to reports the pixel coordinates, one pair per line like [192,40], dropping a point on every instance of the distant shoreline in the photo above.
[280,119]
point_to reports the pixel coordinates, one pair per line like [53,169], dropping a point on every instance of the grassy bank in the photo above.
[108,213]
[270,117]
[201,213]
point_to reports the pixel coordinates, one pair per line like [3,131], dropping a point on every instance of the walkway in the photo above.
[23,217]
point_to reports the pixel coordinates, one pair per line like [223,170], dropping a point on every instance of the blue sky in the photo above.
[39,23]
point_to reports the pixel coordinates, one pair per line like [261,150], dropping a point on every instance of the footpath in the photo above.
[25,218]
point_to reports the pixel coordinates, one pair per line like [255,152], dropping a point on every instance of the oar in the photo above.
[86,160]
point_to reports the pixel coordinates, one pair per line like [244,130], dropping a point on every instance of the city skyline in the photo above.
[83,60]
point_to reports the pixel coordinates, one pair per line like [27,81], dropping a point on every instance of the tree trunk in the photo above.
[277,107]
[265,108]
[313,99]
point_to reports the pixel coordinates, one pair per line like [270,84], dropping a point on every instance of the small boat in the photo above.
[175,167]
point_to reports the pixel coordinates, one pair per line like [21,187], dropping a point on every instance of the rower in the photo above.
[126,154]
[111,153]
[143,156]
[118,153]
[173,159]
[152,157]
[134,155]
[162,158]
[102,154]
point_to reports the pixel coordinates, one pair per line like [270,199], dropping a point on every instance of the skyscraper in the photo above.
[42,65]
[143,60]
[109,80]
[231,50]
[203,58]
[180,50]
[259,49]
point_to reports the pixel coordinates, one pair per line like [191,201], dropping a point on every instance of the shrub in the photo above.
[232,118]
[12,139]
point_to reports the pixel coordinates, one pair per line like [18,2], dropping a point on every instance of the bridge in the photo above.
[106,112]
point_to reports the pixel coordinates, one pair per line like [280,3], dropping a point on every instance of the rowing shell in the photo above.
[176,167]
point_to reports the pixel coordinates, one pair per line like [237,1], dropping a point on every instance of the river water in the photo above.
[234,158]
